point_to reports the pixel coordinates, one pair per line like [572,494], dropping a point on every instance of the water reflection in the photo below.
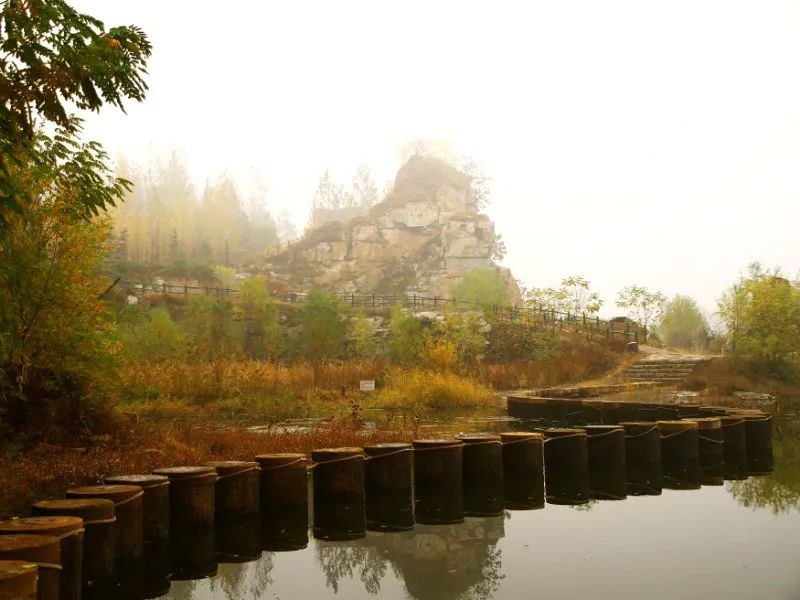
[780,490]
[434,561]
[720,549]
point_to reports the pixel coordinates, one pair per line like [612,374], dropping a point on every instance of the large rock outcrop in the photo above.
[421,239]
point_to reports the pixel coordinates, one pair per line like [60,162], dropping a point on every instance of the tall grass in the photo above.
[415,388]
[577,360]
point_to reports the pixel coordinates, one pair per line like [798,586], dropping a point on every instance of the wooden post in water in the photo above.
[680,454]
[98,537]
[42,550]
[566,466]
[758,431]
[155,503]
[191,497]
[523,470]
[388,486]
[735,447]
[482,468]
[237,489]
[127,499]
[438,480]
[284,501]
[710,446]
[69,532]
[338,486]
[607,471]
[643,458]
[18,579]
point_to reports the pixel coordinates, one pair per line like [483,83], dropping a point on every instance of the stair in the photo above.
[665,369]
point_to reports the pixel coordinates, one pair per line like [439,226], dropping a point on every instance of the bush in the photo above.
[432,389]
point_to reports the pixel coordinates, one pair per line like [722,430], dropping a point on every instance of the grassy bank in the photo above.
[277,391]
[46,470]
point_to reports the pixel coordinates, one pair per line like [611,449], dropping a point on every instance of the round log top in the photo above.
[434,443]
[326,454]
[178,473]
[478,438]
[728,420]
[601,429]
[676,426]
[706,422]
[519,436]
[386,448]
[751,415]
[9,569]
[282,459]
[559,432]
[534,399]
[88,509]
[55,525]
[115,493]
[143,481]
[29,546]
[232,467]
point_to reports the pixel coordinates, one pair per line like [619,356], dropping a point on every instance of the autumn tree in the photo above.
[53,57]
[643,306]
[574,296]
[483,286]
[54,330]
[682,324]
[762,316]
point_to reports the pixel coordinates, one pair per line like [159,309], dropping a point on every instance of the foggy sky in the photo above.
[630,142]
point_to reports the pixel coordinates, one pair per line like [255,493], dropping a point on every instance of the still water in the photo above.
[737,541]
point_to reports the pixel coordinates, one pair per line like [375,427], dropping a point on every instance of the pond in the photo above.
[734,541]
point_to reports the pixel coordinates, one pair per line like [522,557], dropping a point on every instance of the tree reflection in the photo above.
[435,561]
[235,581]
[780,490]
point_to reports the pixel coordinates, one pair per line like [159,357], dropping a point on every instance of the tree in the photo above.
[322,328]
[362,337]
[574,296]
[365,191]
[484,285]
[762,316]
[643,306]
[405,339]
[54,57]
[55,332]
[479,183]
[682,325]
[260,331]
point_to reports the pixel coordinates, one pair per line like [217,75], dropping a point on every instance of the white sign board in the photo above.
[367,385]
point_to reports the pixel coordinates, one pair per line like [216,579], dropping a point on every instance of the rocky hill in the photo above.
[421,239]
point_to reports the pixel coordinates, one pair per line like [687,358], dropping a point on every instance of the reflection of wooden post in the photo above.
[69,532]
